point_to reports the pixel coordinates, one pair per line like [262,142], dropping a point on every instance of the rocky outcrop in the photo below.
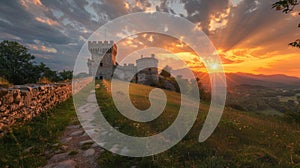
[21,103]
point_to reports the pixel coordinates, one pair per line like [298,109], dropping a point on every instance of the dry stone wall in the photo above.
[21,103]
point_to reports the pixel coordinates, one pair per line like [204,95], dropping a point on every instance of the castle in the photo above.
[103,64]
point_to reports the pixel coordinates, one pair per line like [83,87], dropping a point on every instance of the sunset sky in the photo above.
[249,35]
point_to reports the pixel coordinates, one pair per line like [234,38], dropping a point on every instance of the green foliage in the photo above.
[18,67]
[293,116]
[295,43]
[66,75]
[204,94]
[165,74]
[16,62]
[286,5]
[47,73]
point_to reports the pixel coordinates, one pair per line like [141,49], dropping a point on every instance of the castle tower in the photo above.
[103,60]
[147,68]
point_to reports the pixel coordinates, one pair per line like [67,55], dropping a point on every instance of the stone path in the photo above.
[76,149]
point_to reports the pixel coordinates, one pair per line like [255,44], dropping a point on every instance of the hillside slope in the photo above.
[240,140]
[235,79]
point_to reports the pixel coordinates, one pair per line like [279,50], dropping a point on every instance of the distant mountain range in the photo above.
[236,79]
[262,80]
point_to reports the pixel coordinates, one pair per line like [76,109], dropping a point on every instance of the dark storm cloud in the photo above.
[201,10]
[163,7]
[74,24]
[112,8]
[75,18]
[22,24]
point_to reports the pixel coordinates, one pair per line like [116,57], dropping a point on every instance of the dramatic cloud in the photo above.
[202,12]
[249,35]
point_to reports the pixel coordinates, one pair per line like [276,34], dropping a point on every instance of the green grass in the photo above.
[240,140]
[270,111]
[287,98]
[25,146]
[138,98]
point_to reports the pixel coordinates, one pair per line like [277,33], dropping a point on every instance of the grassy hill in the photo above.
[240,140]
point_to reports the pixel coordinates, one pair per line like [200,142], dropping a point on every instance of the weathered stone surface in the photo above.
[73,126]
[63,164]
[86,142]
[21,103]
[59,157]
[76,133]
[89,152]
[66,140]
[64,147]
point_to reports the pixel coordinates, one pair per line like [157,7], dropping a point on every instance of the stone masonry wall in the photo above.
[23,102]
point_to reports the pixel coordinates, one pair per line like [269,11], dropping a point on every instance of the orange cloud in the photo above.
[42,48]
[126,5]
[219,20]
[260,61]
[27,3]
[37,2]
[256,54]
[47,21]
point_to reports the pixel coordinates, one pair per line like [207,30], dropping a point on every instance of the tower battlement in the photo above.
[100,44]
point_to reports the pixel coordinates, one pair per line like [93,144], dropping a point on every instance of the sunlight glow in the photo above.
[214,66]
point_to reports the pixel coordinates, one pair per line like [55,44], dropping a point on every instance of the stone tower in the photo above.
[147,70]
[103,61]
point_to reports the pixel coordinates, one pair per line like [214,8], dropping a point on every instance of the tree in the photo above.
[204,95]
[18,67]
[66,75]
[46,72]
[286,6]
[166,72]
[16,62]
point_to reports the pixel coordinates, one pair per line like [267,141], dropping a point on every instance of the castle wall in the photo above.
[145,71]
[126,72]
[21,103]
[145,63]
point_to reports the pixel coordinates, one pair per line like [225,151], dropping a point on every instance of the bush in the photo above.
[294,116]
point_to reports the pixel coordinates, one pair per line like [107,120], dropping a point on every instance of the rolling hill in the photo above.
[235,79]
[240,140]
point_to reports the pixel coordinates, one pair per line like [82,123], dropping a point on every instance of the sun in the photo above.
[214,66]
